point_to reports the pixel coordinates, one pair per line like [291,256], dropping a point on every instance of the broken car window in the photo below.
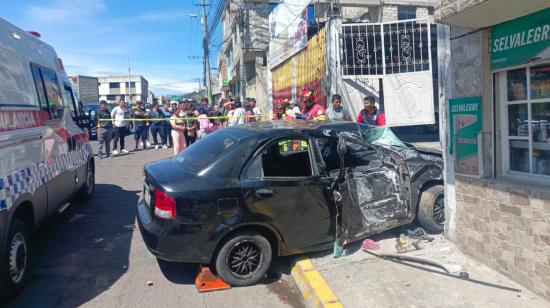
[381,135]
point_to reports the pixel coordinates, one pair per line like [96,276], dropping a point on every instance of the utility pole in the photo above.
[205,43]
[129,88]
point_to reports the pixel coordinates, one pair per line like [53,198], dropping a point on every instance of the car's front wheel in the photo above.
[87,191]
[431,209]
[15,260]
[244,259]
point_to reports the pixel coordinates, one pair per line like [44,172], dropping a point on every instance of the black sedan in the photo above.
[245,194]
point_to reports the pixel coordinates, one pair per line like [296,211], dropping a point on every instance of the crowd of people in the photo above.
[180,124]
[172,124]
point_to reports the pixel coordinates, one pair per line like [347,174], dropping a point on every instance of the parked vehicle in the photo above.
[245,194]
[45,155]
[91,111]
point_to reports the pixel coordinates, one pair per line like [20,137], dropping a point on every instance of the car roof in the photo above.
[283,127]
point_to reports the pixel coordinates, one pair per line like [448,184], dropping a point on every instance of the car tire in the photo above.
[15,263]
[244,259]
[431,209]
[87,191]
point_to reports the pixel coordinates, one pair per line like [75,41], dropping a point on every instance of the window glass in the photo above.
[519,155]
[53,94]
[255,171]
[114,85]
[517,120]
[287,158]
[517,85]
[16,87]
[406,12]
[69,98]
[541,138]
[540,81]
[37,76]
[205,151]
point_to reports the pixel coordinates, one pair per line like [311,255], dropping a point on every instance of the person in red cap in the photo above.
[311,110]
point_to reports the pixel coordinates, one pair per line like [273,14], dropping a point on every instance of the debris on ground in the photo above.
[369,244]
[150,283]
[404,244]
[419,234]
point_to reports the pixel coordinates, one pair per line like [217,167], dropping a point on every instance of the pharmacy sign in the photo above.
[520,40]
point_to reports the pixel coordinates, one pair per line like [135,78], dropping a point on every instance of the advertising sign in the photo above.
[465,134]
[287,30]
[520,40]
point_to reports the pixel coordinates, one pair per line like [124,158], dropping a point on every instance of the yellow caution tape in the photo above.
[192,118]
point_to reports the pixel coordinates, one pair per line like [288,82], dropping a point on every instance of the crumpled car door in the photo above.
[373,188]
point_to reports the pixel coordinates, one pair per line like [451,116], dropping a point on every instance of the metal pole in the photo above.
[206,64]
[129,98]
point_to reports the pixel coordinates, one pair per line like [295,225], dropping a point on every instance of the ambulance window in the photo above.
[37,76]
[69,98]
[53,93]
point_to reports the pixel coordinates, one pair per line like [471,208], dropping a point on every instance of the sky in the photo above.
[98,37]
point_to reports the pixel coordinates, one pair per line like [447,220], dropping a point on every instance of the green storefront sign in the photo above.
[465,128]
[518,41]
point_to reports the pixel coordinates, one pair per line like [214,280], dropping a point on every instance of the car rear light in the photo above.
[165,206]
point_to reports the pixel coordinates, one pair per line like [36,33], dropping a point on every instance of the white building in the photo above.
[85,88]
[113,88]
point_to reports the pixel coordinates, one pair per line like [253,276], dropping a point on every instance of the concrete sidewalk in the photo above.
[360,279]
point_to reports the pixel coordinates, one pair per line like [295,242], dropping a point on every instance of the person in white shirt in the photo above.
[239,114]
[257,111]
[119,115]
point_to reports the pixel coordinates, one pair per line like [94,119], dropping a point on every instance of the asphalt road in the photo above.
[91,255]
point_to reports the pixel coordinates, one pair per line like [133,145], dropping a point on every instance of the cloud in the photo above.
[160,15]
[63,11]
[168,86]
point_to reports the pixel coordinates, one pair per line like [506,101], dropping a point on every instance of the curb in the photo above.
[315,290]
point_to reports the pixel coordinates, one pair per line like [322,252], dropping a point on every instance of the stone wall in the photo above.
[389,13]
[506,226]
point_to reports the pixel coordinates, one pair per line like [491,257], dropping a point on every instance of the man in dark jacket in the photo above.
[104,130]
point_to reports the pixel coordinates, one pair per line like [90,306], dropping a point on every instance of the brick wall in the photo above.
[507,227]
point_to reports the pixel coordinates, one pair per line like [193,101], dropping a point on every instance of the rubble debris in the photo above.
[369,244]
[419,234]
[150,283]
[404,244]
[453,269]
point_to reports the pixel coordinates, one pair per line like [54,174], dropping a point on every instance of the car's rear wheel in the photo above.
[431,209]
[244,259]
[15,260]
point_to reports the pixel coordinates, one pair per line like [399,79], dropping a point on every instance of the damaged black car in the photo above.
[245,194]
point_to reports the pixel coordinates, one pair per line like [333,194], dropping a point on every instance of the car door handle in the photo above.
[264,192]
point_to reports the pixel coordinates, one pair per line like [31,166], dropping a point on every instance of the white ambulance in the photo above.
[45,157]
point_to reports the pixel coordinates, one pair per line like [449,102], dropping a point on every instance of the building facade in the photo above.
[245,42]
[114,88]
[320,65]
[86,88]
[497,154]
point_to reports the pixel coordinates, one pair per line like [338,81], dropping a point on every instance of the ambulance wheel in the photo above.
[15,261]
[431,209]
[87,191]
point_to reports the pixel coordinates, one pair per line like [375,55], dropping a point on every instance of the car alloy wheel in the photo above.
[244,258]
[18,258]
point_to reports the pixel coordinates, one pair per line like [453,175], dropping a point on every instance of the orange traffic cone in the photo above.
[206,281]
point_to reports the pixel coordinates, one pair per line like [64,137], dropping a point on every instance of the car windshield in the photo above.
[202,153]
[381,135]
